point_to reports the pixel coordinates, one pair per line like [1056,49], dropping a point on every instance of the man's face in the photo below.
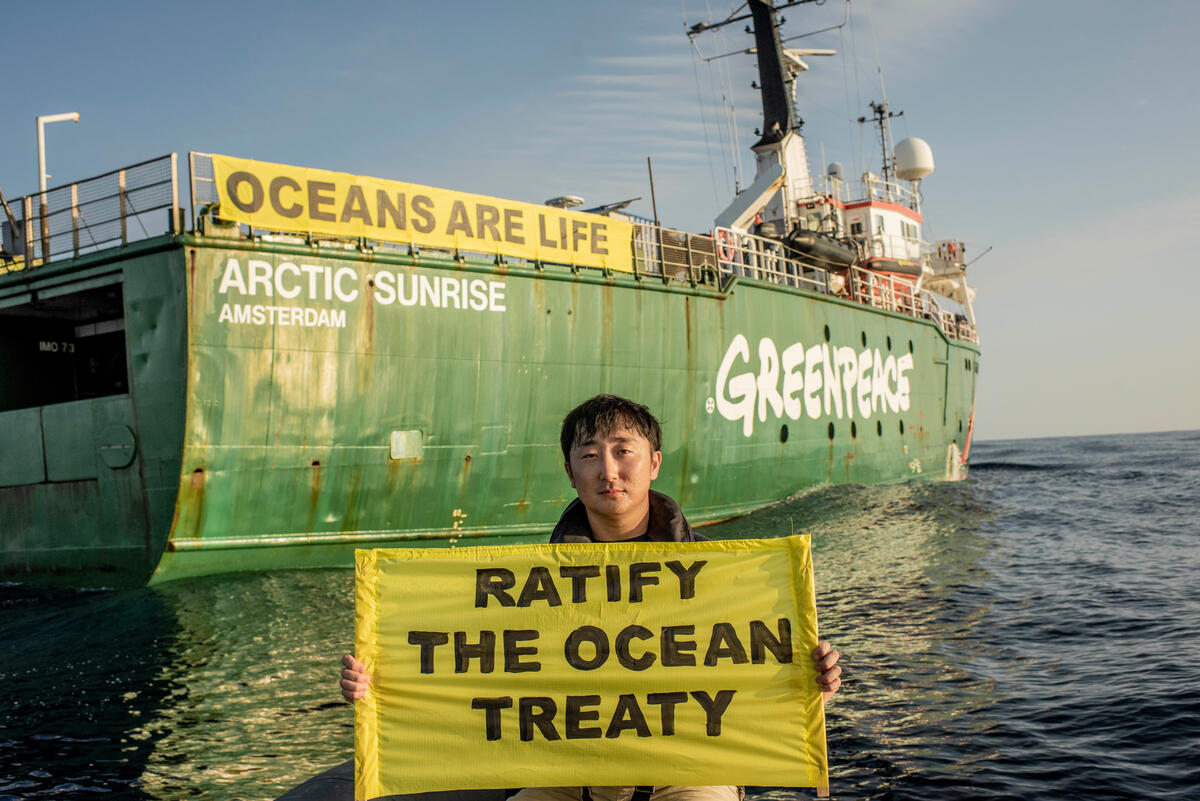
[612,474]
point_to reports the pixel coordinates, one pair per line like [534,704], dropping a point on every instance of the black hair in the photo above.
[603,414]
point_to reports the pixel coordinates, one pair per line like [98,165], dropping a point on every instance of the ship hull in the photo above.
[291,404]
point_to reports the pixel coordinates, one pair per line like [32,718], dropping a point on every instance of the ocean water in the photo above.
[1031,632]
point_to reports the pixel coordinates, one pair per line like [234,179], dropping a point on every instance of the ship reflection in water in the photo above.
[980,623]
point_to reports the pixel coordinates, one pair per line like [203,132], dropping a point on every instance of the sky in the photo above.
[1063,134]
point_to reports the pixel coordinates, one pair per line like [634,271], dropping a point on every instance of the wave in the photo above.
[1019,467]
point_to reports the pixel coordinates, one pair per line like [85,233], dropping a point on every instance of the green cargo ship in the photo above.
[316,362]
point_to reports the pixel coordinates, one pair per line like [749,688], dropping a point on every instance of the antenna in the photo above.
[880,114]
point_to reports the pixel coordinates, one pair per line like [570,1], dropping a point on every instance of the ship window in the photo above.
[856,228]
[64,346]
[879,223]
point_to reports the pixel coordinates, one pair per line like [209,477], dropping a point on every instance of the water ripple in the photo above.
[1030,632]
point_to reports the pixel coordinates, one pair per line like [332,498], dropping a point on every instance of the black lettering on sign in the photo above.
[545,239]
[355,206]
[484,651]
[579,574]
[576,714]
[422,206]
[714,708]
[486,218]
[687,576]
[539,587]
[578,233]
[639,577]
[543,718]
[428,640]
[761,638]
[277,185]
[725,644]
[234,182]
[628,715]
[612,576]
[586,634]
[491,713]
[317,199]
[668,702]
[458,220]
[621,645]
[673,650]
[562,232]
[513,651]
[513,227]
[385,209]
[599,237]
[493,581]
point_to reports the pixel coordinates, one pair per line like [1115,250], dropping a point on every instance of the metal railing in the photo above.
[116,207]
[749,256]
[894,246]
[871,187]
[674,255]
[884,291]
[202,183]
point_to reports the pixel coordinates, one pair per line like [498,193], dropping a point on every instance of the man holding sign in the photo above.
[611,448]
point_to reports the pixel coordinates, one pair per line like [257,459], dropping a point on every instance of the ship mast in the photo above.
[782,176]
[777,86]
[881,115]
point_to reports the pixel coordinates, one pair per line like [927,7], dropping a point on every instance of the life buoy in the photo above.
[724,245]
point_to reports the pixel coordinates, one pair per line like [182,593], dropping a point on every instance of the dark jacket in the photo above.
[667,523]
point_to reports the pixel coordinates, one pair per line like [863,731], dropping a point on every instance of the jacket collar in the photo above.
[667,523]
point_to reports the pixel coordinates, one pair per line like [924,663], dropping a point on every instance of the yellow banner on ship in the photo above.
[579,664]
[304,200]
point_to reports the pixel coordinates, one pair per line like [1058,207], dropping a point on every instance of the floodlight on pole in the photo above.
[41,134]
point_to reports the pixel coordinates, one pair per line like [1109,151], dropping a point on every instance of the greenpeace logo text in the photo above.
[820,380]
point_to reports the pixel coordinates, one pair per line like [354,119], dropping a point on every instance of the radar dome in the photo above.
[914,159]
[834,170]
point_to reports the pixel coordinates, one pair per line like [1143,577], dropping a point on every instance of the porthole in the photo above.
[910,347]
[826,333]
[902,428]
[864,338]
[853,429]
[783,433]
[879,427]
[831,431]
[889,341]
[959,426]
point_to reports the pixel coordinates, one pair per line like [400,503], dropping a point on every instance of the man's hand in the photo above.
[356,679]
[826,659]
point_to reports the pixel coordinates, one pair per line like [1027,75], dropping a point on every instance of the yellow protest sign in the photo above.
[279,197]
[588,664]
